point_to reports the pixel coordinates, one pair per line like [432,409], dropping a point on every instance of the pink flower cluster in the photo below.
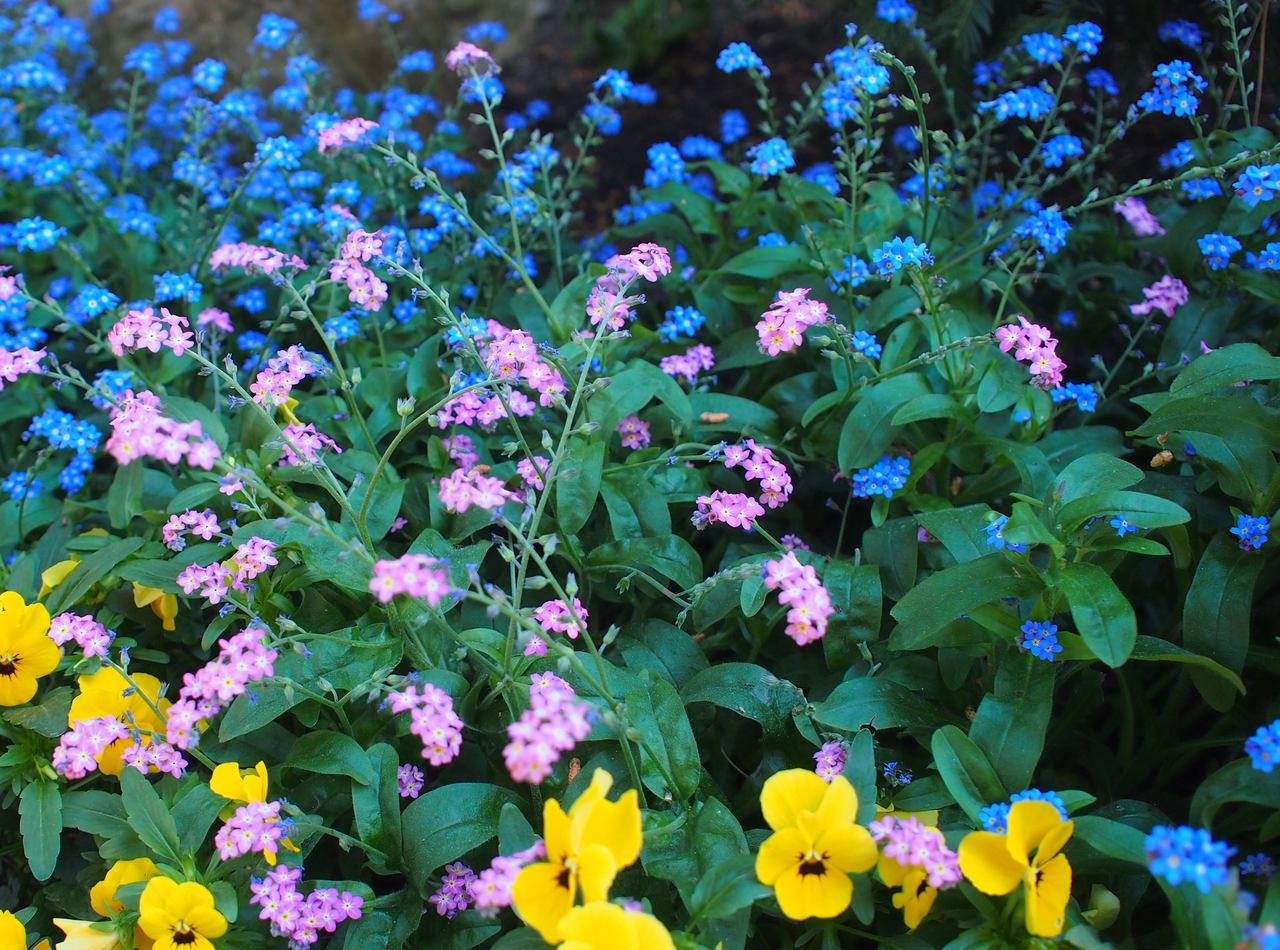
[298,918]
[79,747]
[431,719]
[275,381]
[253,828]
[254,258]
[468,54]
[220,320]
[1036,346]
[364,288]
[415,575]
[532,470]
[801,591]
[154,757]
[144,330]
[454,893]
[470,488]
[608,302]
[139,430]
[634,432]
[731,508]
[470,408]
[759,464]
[554,722]
[15,363]
[362,245]
[214,580]
[1166,295]
[491,890]
[512,355]
[699,358]
[203,524]
[344,133]
[461,448]
[829,760]
[302,444]
[781,327]
[1140,218]
[241,660]
[91,637]
[409,780]
[913,844]
[554,617]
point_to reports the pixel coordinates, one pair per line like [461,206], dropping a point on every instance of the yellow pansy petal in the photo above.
[780,853]
[613,824]
[596,870]
[650,932]
[82,935]
[839,804]
[1047,898]
[985,860]
[228,783]
[824,895]
[848,848]
[1054,841]
[40,655]
[16,689]
[601,782]
[788,793]
[144,596]
[205,919]
[600,926]
[166,608]
[52,576]
[555,830]
[12,933]
[255,783]
[915,900]
[102,895]
[33,621]
[1028,823]
[891,872]
[540,899]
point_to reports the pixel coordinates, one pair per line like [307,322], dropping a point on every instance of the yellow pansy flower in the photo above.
[89,935]
[604,926]
[816,843]
[102,896]
[244,785]
[108,693]
[585,851]
[179,916]
[26,651]
[915,897]
[55,574]
[1028,853]
[12,933]
[164,606]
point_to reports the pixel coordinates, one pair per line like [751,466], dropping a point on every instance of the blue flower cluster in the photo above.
[665,164]
[1040,639]
[896,775]
[892,256]
[1258,183]
[1086,37]
[866,344]
[1045,48]
[1059,148]
[1047,228]
[771,157]
[1186,854]
[1217,249]
[1257,865]
[852,274]
[680,321]
[895,11]
[738,56]
[64,432]
[1263,747]
[1252,531]
[887,476]
[1181,31]
[733,126]
[1085,395]
[1031,102]
[995,536]
[1176,89]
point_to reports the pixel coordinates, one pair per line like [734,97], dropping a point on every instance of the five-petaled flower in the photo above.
[816,843]
[179,916]
[1027,854]
[585,851]
[26,650]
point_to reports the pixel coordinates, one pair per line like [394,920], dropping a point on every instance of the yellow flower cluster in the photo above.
[586,849]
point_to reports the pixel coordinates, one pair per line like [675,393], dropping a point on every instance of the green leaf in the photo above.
[1112,838]
[894,547]
[89,571]
[331,753]
[1216,614]
[657,713]
[767,262]
[1094,473]
[945,595]
[1139,509]
[959,530]
[857,601]
[1236,781]
[1012,721]
[148,815]
[748,690]
[578,483]
[868,429]
[1223,367]
[671,557]
[636,507]
[194,813]
[1103,615]
[376,805]
[928,406]
[1161,651]
[1235,418]
[124,497]
[666,650]
[879,703]
[250,712]
[96,813]
[570,305]
[727,888]
[446,823]
[514,831]
[47,718]
[40,823]
[965,771]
